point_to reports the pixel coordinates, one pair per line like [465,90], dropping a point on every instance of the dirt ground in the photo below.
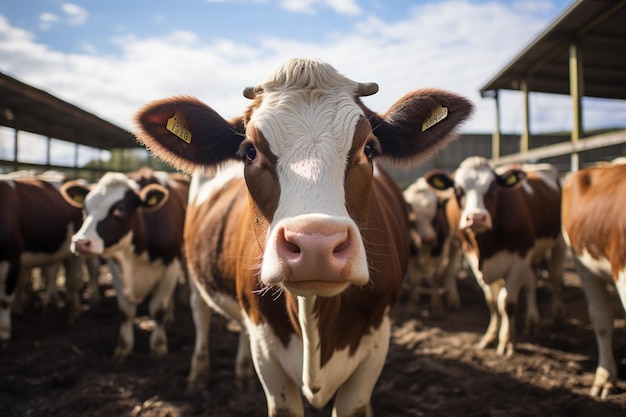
[433,368]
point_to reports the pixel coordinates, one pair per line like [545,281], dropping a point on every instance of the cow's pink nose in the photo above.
[314,255]
[82,246]
[478,221]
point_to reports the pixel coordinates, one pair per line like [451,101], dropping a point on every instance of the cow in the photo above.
[300,235]
[508,222]
[436,257]
[135,222]
[594,227]
[36,225]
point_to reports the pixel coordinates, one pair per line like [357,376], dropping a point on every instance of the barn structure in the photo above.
[26,109]
[579,54]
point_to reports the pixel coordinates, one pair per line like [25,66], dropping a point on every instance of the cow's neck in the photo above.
[311,346]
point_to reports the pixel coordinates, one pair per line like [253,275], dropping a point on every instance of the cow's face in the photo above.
[423,209]
[476,187]
[308,145]
[109,210]
[308,166]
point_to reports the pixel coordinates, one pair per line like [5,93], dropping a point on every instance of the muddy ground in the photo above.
[433,368]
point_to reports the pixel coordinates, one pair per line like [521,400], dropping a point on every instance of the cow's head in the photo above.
[308,146]
[476,187]
[422,201]
[109,209]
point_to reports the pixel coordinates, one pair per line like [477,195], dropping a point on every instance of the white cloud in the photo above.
[46,20]
[75,14]
[454,45]
[347,7]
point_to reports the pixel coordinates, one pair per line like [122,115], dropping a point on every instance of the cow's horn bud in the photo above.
[250,92]
[367,89]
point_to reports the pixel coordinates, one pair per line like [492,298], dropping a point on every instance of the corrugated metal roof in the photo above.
[27,108]
[599,28]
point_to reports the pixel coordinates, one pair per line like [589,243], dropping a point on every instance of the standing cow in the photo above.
[304,238]
[135,221]
[508,222]
[436,257]
[36,225]
[594,227]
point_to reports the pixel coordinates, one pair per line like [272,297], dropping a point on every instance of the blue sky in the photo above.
[111,57]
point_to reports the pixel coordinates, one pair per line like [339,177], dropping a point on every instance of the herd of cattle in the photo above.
[290,227]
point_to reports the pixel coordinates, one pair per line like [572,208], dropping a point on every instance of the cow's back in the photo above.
[593,214]
[44,216]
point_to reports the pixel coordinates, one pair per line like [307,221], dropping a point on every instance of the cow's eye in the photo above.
[251,153]
[369,150]
[119,211]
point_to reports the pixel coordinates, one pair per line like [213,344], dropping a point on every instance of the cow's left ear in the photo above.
[439,180]
[419,124]
[74,193]
[153,196]
[511,178]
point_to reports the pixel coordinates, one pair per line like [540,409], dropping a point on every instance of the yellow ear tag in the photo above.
[152,201]
[176,124]
[511,179]
[79,198]
[438,114]
[438,183]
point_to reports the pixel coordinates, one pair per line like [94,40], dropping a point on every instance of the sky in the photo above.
[112,57]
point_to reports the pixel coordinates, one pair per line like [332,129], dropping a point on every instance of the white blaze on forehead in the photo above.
[474,176]
[109,190]
[309,119]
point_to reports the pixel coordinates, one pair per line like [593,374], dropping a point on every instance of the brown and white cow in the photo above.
[594,227]
[303,238]
[507,224]
[135,221]
[436,258]
[36,225]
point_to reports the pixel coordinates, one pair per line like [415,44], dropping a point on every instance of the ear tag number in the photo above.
[438,114]
[177,126]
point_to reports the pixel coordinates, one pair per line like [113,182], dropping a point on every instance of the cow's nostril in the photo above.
[292,247]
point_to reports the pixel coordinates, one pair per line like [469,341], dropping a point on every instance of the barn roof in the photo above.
[599,28]
[29,109]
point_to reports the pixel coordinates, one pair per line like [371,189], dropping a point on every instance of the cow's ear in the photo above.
[153,196]
[439,180]
[74,192]
[419,124]
[188,134]
[511,178]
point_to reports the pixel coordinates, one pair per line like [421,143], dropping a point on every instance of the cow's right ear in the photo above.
[439,180]
[153,197]
[188,134]
[74,192]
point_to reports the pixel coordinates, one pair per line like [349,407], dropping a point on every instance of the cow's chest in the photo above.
[137,274]
[275,360]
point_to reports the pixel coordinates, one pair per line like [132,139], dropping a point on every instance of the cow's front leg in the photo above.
[51,293]
[73,286]
[201,313]
[520,275]
[491,292]
[244,369]
[161,308]
[128,310]
[601,315]
[281,391]
[354,396]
